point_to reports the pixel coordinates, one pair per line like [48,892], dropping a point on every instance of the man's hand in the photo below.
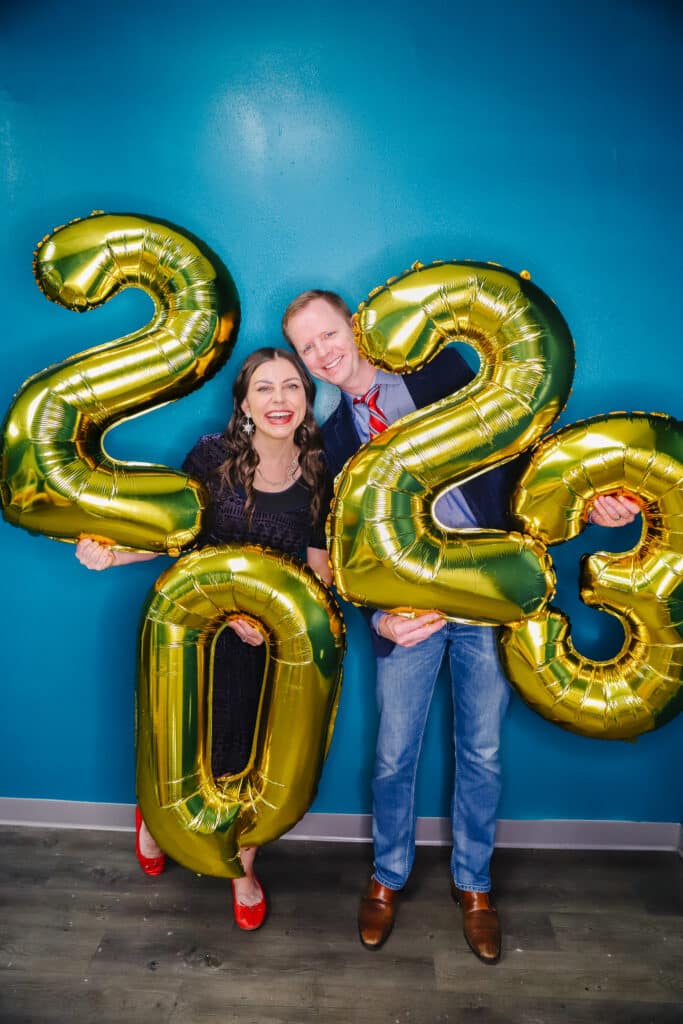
[613,510]
[407,632]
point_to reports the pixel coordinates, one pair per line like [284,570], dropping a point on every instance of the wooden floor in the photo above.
[85,936]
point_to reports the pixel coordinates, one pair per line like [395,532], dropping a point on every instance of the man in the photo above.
[318,325]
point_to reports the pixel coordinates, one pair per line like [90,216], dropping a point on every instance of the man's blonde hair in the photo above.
[304,298]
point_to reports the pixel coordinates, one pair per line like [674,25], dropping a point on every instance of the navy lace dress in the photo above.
[281,521]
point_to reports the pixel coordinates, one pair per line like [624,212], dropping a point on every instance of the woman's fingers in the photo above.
[247,633]
[94,555]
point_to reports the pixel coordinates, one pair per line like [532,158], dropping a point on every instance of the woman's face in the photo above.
[275,399]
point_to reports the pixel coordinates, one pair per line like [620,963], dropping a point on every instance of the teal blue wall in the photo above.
[334,146]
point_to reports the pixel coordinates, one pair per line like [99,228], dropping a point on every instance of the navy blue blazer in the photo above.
[487,495]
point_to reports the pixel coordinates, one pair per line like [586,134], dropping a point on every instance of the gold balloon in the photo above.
[387,549]
[638,689]
[199,820]
[56,477]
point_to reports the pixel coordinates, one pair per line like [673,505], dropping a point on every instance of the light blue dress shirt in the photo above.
[395,401]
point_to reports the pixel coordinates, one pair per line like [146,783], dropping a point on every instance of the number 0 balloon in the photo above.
[56,477]
[199,820]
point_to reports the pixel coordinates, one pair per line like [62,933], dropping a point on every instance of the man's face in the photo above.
[323,338]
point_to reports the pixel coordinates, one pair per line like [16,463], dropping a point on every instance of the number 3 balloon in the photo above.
[639,688]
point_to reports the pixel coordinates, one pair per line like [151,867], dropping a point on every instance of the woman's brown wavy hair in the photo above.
[240,466]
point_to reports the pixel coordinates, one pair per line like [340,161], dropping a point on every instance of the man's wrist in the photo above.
[376,620]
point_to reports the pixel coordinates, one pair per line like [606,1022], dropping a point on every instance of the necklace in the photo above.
[291,473]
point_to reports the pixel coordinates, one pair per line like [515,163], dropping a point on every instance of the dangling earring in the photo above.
[247,427]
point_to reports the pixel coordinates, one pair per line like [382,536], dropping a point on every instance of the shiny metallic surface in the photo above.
[56,477]
[387,548]
[639,689]
[199,820]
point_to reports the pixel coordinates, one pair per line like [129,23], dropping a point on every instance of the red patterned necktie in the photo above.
[378,421]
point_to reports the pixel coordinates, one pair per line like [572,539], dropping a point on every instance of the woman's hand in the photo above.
[247,633]
[94,555]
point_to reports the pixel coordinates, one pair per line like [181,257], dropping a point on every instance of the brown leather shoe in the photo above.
[481,926]
[376,915]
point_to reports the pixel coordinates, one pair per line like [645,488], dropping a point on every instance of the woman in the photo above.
[268,485]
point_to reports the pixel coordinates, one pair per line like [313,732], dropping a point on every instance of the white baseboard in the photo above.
[540,835]
[67,814]
[356,828]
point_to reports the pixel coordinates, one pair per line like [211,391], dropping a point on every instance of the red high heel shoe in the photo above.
[152,866]
[249,918]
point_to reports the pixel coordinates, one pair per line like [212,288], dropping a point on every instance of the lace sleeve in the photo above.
[205,457]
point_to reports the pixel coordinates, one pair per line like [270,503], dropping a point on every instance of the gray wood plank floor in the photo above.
[86,937]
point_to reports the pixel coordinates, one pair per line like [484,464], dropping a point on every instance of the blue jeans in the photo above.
[405,684]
